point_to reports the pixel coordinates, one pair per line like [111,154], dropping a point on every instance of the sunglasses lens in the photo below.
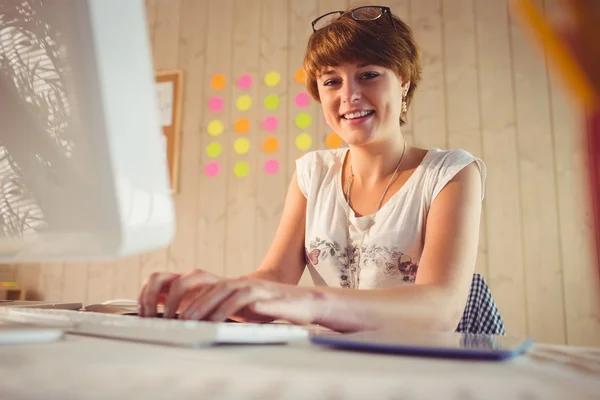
[326,20]
[367,13]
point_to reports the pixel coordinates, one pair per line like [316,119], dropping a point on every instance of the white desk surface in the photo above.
[94,368]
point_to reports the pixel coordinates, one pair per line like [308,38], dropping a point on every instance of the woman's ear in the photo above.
[405,88]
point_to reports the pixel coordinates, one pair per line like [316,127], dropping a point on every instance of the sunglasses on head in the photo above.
[365,13]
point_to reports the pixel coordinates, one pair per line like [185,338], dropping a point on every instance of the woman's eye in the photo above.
[331,82]
[370,75]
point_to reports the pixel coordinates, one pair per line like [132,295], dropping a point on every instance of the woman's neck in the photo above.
[375,162]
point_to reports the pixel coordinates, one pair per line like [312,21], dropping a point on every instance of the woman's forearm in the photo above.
[264,275]
[416,307]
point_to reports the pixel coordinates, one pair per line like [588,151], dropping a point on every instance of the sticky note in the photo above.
[241,169]
[271,102]
[215,104]
[270,145]
[244,82]
[303,120]
[270,124]
[213,150]
[215,127]
[302,99]
[300,76]
[333,141]
[271,167]
[212,169]
[303,141]
[218,81]
[241,125]
[241,145]
[272,78]
[244,102]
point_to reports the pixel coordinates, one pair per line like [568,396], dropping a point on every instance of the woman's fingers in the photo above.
[180,288]
[296,312]
[208,300]
[237,301]
[158,282]
[203,296]
[228,298]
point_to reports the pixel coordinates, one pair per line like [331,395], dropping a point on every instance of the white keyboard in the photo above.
[156,330]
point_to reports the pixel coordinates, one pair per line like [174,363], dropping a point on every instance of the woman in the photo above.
[388,231]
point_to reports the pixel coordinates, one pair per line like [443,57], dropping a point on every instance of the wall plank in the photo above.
[241,193]
[51,280]
[429,113]
[462,93]
[212,209]
[581,299]
[271,189]
[300,16]
[401,8]
[503,209]
[28,277]
[165,52]
[191,60]
[541,256]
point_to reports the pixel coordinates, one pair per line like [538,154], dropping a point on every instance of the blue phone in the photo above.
[430,344]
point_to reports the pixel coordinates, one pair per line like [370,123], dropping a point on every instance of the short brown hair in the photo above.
[374,42]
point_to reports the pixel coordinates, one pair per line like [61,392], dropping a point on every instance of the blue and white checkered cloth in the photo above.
[481,314]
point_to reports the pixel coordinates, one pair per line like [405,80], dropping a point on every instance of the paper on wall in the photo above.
[165,102]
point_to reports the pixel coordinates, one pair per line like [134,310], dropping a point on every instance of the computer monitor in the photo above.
[83,167]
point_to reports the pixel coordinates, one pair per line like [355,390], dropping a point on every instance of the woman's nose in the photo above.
[350,92]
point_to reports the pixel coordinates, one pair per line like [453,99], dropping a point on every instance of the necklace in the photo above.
[355,272]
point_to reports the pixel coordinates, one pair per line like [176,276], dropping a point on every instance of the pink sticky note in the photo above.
[270,124]
[212,169]
[215,104]
[302,99]
[271,167]
[244,81]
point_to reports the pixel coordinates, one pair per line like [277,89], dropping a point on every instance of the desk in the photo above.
[82,367]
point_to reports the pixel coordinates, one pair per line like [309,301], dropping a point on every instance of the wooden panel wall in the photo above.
[486,89]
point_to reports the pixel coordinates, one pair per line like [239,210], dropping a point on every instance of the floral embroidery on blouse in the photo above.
[391,261]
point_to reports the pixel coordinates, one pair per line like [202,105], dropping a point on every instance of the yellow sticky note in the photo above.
[241,145]
[241,169]
[213,150]
[244,102]
[215,127]
[303,141]
[272,78]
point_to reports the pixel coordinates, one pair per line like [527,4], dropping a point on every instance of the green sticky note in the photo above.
[213,150]
[272,102]
[241,169]
[303,120]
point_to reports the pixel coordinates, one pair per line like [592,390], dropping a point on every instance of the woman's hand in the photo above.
[232,297]
[170,289]
[200,295]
